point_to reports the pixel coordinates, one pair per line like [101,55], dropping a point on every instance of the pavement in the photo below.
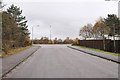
[0,67]
[10,62]
[59,61]
[104,55]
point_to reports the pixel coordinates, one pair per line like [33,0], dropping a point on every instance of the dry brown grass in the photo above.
[14,51]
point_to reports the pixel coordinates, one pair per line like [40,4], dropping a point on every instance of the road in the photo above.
[59,61]
[0,67]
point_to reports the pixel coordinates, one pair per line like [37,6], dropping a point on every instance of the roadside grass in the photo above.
[14,51]
[98,50]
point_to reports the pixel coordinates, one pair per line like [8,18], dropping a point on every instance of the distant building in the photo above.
[117,37]
[59,41]
[99,38]
[44,40]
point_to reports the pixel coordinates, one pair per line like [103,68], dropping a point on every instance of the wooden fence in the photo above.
[98,44]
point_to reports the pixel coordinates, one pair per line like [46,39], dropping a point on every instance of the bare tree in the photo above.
[86,31]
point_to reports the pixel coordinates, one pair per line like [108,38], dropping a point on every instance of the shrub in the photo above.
[6,48]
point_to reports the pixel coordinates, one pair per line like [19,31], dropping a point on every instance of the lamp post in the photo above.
[33,31]
[50,32]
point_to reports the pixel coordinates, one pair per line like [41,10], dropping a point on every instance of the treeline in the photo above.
[14,29]
[104,26]
[109,27]
[45,40]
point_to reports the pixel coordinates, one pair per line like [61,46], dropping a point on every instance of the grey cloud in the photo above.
[66,18]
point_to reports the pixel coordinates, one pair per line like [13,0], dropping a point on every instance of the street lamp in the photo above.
[32,32]
[50,32]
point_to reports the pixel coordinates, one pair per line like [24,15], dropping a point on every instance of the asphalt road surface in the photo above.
[0,67]
[59,61]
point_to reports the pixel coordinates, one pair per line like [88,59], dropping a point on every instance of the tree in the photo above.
[9,31]
[55,40]
[1,5]
[13,35]
[86,31]
[1,25]
[44,40]
[76,40]
[113,22]
[15,13]
[0,2]
[100,29]
[119,29]
[67,40]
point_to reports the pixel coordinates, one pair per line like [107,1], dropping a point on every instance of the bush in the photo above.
[6,48]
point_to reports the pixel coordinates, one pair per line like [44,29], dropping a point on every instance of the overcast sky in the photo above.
[65,16]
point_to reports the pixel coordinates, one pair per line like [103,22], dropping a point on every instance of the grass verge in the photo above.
[14,51]
[98,50]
